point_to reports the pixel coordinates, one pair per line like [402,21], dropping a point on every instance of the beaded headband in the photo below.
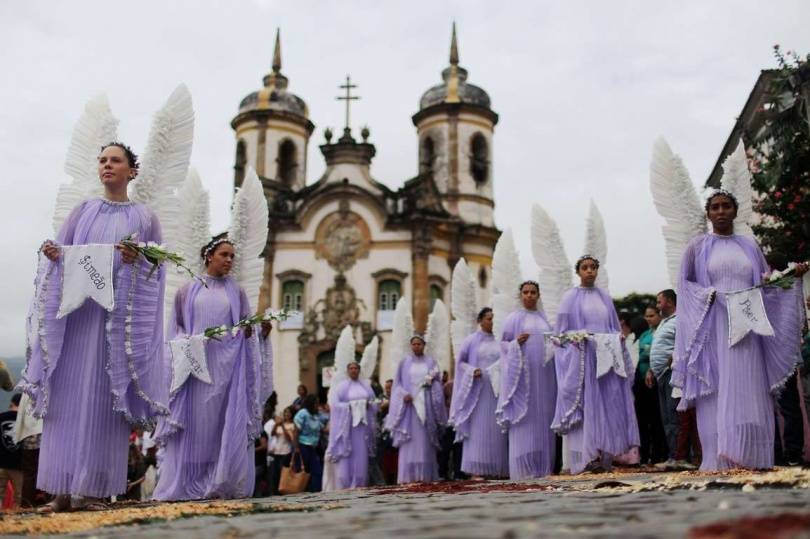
[524,283]
[213,245]
[417,336]
[584,257]
[711,193]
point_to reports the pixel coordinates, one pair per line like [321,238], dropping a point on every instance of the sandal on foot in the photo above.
[57,505]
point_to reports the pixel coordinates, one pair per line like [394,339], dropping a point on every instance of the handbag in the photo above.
[292,481]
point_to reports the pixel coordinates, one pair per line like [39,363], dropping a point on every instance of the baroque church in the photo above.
[344,248]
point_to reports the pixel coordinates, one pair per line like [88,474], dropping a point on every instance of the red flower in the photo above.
[790,206]
[778,194]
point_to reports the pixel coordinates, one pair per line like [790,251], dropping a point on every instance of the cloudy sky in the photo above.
[582,89]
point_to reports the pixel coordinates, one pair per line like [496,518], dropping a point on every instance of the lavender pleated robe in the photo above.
[92,373]
[731,388]
[207,448]
[472,408]
[351,446]
[417,441]
[596,414]
[528,392]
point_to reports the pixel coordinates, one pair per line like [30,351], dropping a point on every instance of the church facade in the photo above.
[344,248]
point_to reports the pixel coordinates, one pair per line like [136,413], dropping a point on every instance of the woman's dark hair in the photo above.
[583,258]
[483,312]
[211,247]
[625,317]
[721,193]
[132,158]
[290,409]
[310,403]
[533,283]
[651,306]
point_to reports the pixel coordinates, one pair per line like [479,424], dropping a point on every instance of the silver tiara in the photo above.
[214,244]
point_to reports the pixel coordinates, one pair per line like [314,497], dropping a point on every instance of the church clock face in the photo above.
[343,238]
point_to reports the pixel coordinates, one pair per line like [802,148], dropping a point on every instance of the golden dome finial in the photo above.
[452,79]
[454,47]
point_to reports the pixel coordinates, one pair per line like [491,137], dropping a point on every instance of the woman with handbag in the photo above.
[283,437]
[309,425]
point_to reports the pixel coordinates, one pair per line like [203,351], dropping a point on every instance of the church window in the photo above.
[436,292]
[479,158]
[286,162]
[292,295]
[241,161]
[389,294]
[427,155]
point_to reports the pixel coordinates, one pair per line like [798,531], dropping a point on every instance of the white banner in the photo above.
[188,359]
[609,354]
[494,372]
[88,273]
[746,312]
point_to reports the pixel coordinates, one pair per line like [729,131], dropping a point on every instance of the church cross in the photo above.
[348,98]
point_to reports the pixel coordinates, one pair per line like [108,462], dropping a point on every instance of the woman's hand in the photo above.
[522,338]
[50,250]
[248,332]
[128,254]
[266,328]
[800,269]
[407,398]
[649,380]
[477,373]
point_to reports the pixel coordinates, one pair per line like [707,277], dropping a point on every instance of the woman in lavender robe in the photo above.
[352,428]
[594,404]
[92,373]
[472,408]
[416,415]
[731,386]
[528,389]
[206,443]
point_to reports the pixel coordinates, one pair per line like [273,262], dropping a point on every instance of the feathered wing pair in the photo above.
[437,338]
[678,202]
[247,232]
[344,355]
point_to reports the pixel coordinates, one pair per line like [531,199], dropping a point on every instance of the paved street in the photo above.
[608,505]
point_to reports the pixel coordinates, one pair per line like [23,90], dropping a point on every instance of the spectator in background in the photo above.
[6,379]
[794,425]
[653,442]
[298,403]
[10,471]
[281,445]
[679,427]
[388,454]
[136,473]
[260,445]
[309,427]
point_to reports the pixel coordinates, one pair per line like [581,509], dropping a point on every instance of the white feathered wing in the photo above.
[165,163]
[96,126]
[248,233]
[677,202]
[401,335]
[463,304]
[344,354]
[737,180]
[506,279]
[556,274]
[194,231]
[369,360]
[438,336]
[596,243]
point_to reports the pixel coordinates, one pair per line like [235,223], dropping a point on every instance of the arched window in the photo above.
[292,295]
[482,277]
[239,163]
[479,158]
[427,154]
[388,295]
[287,165]
[436,292]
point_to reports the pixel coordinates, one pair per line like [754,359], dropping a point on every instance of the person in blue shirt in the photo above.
[309,425]
[653,443]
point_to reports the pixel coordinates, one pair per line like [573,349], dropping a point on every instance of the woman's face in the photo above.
[302,390]
[721,213]
[354,370]
[652,317]
[113,168]
[288,415]
[529,296]
[417,346]
[486,323]
[587,272]
[220,261]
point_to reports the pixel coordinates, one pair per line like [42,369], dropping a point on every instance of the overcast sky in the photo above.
[582,90]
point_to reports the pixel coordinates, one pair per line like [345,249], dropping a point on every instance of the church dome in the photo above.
[454,88]
[467,93]
[274,96]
